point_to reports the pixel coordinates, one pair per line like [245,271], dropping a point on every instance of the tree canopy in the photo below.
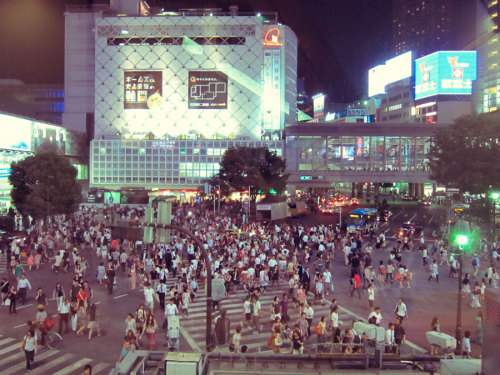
[254,167]
[465,155]
[44,184]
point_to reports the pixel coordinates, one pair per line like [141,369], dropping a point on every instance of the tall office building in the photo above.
[168,92]
[487,87]
[422,26]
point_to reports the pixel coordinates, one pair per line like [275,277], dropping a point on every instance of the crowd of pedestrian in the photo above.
[294,259]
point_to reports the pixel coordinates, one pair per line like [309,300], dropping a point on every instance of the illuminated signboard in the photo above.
[272,37]
[49,137]
[445,73]
[143,89]
[395,69]
[16,133]
[207,89]
[319,105]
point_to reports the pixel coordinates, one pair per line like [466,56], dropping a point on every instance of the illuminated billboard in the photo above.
[143,89]
[16,133]
[207,89]
[319,105]
[445,73]
[49,137]
[395,69]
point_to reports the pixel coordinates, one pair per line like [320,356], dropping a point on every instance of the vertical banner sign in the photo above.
[271,100]
[207,90]
[143,89]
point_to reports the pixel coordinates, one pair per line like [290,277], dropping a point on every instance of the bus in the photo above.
[360,218]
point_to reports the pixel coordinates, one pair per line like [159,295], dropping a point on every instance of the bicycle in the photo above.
[53,340]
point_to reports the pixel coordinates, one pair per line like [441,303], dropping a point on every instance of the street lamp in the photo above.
[462,240]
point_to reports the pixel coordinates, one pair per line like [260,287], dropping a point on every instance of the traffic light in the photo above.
[462,239]
[495,195]
[217,191]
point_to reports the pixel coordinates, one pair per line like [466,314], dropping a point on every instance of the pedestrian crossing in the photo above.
[47,362]
[255,341]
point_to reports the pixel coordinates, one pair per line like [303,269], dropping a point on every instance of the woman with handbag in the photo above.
[11,300]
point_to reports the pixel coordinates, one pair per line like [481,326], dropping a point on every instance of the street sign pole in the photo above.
[340,217]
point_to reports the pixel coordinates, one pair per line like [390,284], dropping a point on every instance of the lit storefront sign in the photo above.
[207,90]
[445,73]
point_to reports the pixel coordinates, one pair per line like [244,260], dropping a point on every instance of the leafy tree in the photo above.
[465,155]
[45,184]
[254,167]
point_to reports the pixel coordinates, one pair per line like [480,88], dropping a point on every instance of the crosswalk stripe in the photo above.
[52,363]
[7,340]
[10,348]
[19,366]
[77,366]
[11,358]
[101,366]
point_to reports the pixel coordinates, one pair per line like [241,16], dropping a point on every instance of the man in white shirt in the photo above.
[375,316]
[63,315]
[149,297]
[389,339]
[22,286]
[401,310]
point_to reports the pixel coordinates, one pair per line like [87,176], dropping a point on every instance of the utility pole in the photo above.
[249,202]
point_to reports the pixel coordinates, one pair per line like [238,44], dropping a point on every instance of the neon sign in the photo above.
[272,38]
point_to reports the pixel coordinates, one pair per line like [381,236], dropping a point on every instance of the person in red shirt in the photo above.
[82,297]
[355,282]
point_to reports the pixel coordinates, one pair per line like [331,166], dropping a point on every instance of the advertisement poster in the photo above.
[50,138]
[207,90]
[143,89]
[445,73]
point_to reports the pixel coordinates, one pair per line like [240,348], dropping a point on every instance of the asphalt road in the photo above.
[424,299]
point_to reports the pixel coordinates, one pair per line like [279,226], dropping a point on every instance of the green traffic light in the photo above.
[495,195]
[462,239]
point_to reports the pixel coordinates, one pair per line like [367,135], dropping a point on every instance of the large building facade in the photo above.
[322,155]
[167,93]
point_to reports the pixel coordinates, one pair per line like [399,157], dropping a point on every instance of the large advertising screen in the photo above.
[319,105]
[207,89]
[143,89]
[445,73]
[395,69]
[16,133]
[49,137]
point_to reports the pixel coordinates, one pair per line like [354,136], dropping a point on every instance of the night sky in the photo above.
[339,40]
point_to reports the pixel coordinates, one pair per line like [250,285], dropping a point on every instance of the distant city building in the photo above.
[487,86]
[22,137]
[422,26]
[426,26]
[39,102]
[166,93]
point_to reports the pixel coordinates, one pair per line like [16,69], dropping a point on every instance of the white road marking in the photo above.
[120,296]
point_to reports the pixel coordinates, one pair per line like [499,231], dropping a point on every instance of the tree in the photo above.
[465,155]
[44,184]
[254,167]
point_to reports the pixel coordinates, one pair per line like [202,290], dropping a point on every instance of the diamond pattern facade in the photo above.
[243,117]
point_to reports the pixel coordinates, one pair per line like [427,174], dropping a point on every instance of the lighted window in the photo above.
[492,90]
[494,27]
[492,66]
[493,109]
[492,3]
[493,40]
[494,15]
[493,53]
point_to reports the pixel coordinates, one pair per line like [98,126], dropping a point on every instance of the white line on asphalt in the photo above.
[21,325]
[120,296]
[411,218]
[399,213]
[191,342]
[97,303]
[430,221]
[23,306]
